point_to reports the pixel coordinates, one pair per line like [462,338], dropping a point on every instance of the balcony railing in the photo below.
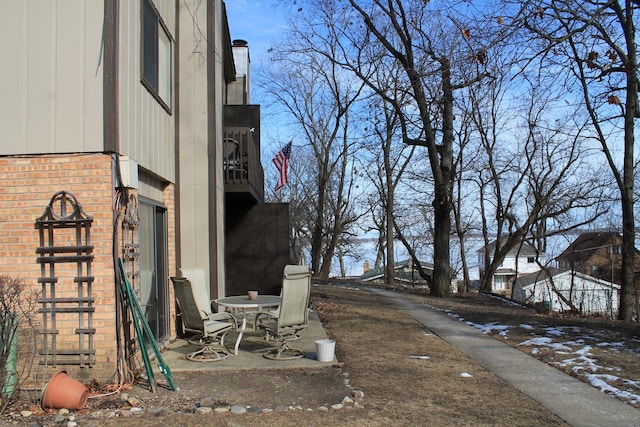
[243,173]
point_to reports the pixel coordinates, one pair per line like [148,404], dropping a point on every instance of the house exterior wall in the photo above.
[27,184]
[54,79]
[51,80]
[588,295]
[201,185]
[53,140]
[147,129]
[605,265]
[219,32]
[597,254]
[523,264]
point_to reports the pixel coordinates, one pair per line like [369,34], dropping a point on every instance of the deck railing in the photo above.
[243,172]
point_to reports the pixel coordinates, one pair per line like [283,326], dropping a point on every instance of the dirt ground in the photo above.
[374,345]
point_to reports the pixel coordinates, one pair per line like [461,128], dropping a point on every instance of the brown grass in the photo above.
[374,342]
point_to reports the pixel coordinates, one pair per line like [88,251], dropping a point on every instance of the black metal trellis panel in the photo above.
[64,218]
[131,257]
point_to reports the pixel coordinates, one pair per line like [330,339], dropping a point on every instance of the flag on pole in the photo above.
[281,160]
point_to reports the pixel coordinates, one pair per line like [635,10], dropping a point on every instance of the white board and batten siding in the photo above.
[589,294]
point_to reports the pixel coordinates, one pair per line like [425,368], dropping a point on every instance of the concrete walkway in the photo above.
[577,403]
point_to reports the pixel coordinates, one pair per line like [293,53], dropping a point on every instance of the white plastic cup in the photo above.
[325,350]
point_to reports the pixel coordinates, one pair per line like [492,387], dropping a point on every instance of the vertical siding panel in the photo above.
[13,85]
[146,128]
[127,65]
[48,80]
[92,76]
[68,77]
[41,45]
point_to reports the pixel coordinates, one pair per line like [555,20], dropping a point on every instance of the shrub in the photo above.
[17,311]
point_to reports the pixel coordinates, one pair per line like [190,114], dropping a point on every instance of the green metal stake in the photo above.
[143,329]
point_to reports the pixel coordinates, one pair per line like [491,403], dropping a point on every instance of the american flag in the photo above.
[281,160]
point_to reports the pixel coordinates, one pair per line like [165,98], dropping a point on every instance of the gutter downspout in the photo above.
[110,41]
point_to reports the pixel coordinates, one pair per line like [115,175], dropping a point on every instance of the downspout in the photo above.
[212,19]
[110,42]
[111,144]
[176,120]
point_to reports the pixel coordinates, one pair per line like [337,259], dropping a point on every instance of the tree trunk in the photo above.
[629,292]
[441,252]
[443,182]
[389,267]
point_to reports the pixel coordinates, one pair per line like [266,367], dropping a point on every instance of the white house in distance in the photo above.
[589,295]
[520,261]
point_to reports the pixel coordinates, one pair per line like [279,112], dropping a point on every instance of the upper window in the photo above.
[531,259]
[156,55]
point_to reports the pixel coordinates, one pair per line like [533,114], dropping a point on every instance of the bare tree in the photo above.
[542,177]
[318,96]
[426,43]
[465,214]
[592,46]
[385,174]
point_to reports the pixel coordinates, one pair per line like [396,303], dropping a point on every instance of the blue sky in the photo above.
[258,22]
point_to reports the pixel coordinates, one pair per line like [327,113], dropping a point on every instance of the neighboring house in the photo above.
[588,295]
[114,131]
[519,261]
[597,254]
[405,272]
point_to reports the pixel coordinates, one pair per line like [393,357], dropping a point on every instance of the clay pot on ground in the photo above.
[62,391]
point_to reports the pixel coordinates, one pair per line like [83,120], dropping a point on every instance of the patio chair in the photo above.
[292,316]
[197,317]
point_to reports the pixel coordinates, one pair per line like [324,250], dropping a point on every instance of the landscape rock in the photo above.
[237,409]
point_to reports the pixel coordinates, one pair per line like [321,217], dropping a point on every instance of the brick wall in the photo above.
[169,201]
[27,184]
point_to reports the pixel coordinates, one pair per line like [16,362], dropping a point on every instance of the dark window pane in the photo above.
[150,45]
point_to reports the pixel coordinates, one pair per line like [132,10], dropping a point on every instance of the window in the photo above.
[156,55]
[615,249]
[531,259]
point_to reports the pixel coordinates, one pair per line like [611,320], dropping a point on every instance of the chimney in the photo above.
[241,92]
[365,267]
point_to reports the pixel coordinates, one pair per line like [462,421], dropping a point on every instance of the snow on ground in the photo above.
[575,354]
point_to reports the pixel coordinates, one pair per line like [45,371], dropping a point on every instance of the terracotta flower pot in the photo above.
[62,391]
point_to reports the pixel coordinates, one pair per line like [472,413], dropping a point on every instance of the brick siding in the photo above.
[27,184]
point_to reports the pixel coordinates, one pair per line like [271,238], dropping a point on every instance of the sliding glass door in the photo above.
[154,290]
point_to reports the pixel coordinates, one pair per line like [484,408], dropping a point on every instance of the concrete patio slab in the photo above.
[250,355]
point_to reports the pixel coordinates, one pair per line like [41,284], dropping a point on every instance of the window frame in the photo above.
[156,64]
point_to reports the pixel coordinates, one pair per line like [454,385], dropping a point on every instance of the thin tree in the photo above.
[385,174]
[545,177]
[425,41]
[318,97]
[592,46]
